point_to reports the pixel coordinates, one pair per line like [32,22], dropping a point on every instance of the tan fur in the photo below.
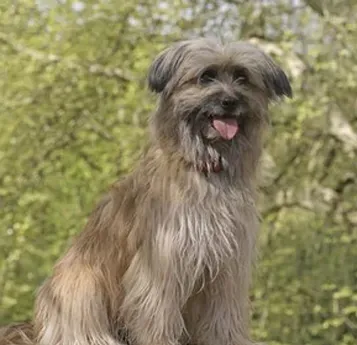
[166,256]
[21,333]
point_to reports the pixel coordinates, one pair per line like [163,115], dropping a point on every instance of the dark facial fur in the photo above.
[201,80]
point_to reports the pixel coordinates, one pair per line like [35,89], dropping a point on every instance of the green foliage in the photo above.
[73,118]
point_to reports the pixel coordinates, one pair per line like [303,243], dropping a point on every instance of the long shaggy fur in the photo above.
[166,256]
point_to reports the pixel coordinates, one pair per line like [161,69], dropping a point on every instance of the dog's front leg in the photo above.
[151,308]
[219,315]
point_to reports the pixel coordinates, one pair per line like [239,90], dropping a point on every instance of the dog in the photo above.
[166,256]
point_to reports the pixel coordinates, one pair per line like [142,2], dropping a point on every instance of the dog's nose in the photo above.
[228,103]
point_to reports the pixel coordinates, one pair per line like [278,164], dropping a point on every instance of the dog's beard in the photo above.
[208,147]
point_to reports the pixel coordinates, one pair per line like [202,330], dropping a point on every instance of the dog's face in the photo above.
[214,98]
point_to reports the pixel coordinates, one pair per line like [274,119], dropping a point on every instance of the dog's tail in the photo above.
[17,334]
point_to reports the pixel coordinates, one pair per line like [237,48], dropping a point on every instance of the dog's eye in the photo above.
[240,76]
[208,77]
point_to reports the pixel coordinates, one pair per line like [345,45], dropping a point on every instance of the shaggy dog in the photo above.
[166,256]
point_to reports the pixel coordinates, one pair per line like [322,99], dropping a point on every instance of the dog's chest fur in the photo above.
[208,230]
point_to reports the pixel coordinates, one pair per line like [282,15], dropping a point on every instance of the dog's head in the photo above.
[214,99]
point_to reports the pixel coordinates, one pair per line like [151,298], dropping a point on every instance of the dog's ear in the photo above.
[276,81]
[164,66]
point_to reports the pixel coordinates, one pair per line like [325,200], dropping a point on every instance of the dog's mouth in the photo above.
[226,127]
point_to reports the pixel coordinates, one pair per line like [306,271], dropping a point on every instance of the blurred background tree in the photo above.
[73,115]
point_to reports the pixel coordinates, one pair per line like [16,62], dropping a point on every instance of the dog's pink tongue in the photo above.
[227,128]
